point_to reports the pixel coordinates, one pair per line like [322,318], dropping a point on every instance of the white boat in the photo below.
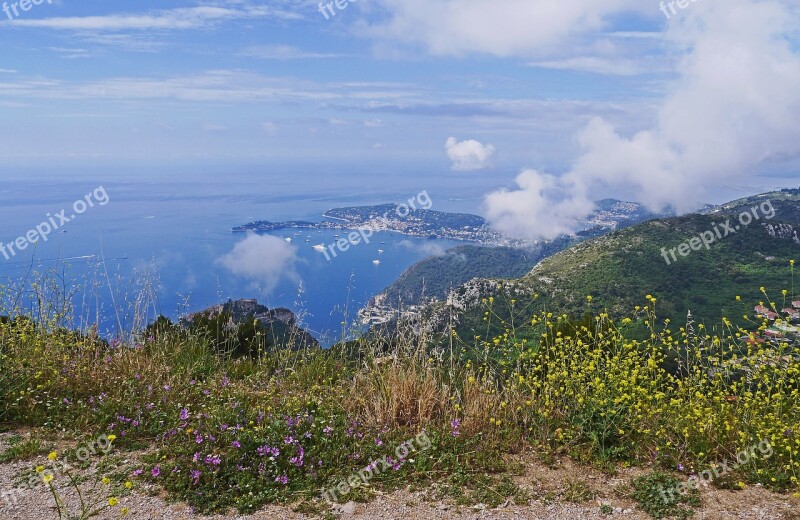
[288,239]
[320,248]
[376,262]
[381,251]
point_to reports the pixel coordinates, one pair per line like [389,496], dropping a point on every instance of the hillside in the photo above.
[619,270]
[433,278]
[245,326]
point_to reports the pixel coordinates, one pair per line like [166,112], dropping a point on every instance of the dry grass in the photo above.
[399,394]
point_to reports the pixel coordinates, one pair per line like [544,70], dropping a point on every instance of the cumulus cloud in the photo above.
[734,107]
[469,155]
[507,28]
[262,259]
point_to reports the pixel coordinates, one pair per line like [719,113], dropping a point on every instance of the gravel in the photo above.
[753,503]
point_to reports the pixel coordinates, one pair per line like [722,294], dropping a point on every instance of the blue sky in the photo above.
[575,97]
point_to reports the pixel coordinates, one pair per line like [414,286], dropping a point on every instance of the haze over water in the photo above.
[173,226]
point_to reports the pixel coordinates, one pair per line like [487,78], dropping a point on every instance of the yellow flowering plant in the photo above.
[92,500]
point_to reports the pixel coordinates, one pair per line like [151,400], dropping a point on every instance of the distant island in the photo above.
[610,215]
[384,217]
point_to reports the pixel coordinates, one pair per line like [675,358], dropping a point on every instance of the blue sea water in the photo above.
[172,225]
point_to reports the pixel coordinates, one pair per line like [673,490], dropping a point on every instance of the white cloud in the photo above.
[284,52]
[428,248]
[270,128]
[505,28]
[609,66]
[176,19]
[262,259]
[469,155]
[734,107]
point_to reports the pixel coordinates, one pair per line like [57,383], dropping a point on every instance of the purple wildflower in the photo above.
[454,424]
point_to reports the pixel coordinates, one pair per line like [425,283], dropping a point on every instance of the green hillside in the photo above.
[436,276]
[619,271]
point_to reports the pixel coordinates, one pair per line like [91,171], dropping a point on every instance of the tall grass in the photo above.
[678,398]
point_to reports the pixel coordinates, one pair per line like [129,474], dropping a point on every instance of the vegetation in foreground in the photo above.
[225,432]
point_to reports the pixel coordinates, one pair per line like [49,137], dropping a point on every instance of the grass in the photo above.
[22,448]
[652,493]
[236,433]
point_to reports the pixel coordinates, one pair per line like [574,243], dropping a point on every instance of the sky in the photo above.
[559,102]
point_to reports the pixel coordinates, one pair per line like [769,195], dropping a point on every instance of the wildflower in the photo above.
[283,479]
[378,442]
[454,424]
[128,484]
[112,438]
[106,481]
[156,472]
[53,455]
[266,450]
[39,469]
[137,472]
[298,460]
[48,478]
[113,501]
[236,444]
[213,460]
[184,414]
[124,511]
[327,430]
[195,474]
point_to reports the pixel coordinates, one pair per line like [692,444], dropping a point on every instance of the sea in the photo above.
[156,246]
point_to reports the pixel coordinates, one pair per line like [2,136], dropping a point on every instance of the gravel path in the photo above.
[754,503]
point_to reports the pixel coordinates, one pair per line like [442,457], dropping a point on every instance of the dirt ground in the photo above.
[547,483]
